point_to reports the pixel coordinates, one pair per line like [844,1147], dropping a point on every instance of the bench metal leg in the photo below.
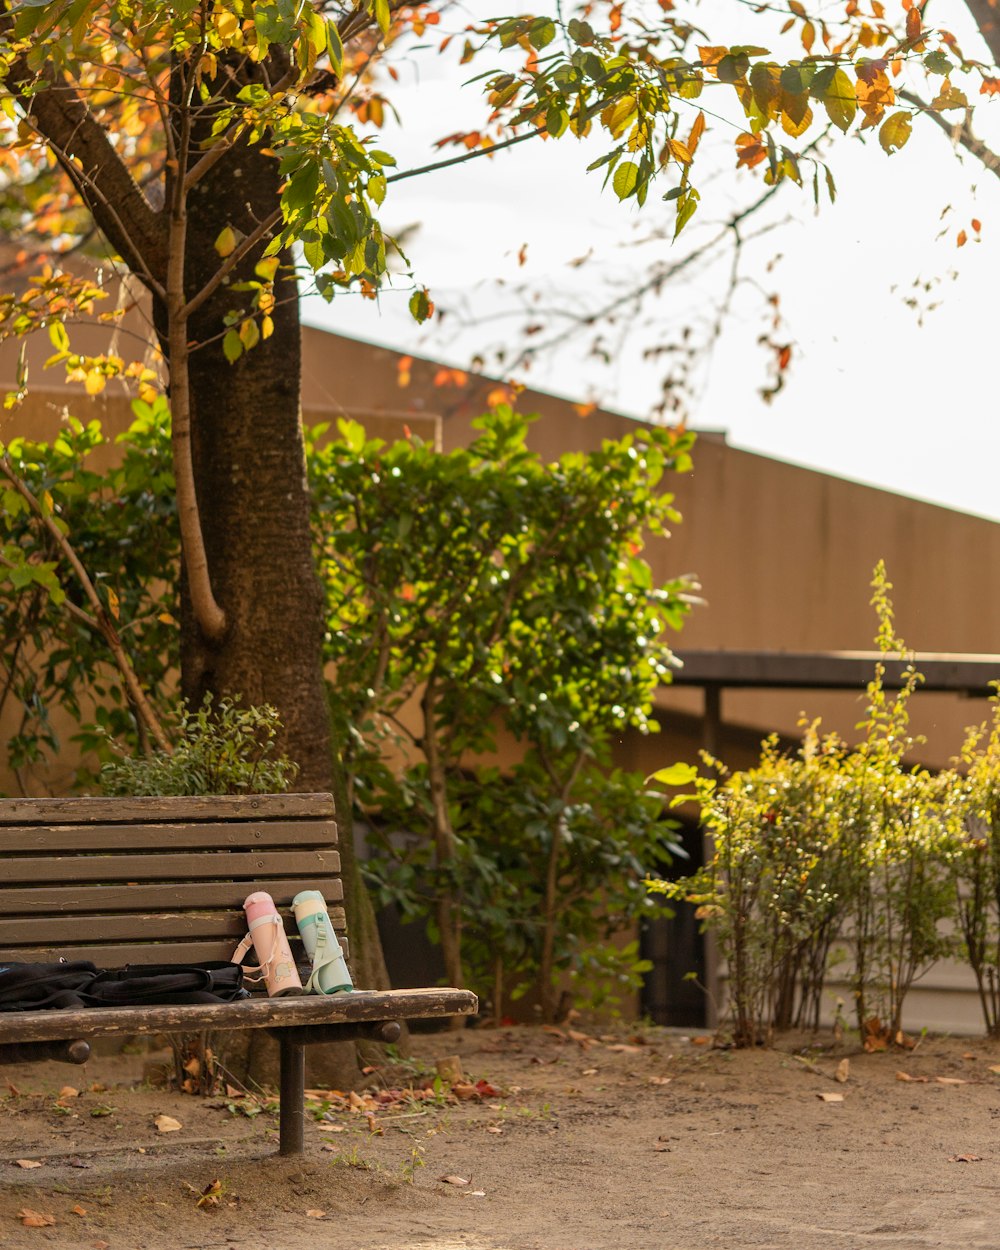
[293,1095]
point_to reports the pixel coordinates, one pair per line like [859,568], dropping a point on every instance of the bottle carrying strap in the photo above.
[260,972]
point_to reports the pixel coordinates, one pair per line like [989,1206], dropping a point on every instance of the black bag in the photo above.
[137,985]
[31,987]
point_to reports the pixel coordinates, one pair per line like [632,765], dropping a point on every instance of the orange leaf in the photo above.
[913,24]
[991,86]
[697,130]
[962,239]
[977,225]
[750,151]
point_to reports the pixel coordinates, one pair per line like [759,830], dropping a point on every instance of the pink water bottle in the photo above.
[267,932]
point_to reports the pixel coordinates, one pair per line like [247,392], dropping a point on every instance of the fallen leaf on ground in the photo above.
[78,1210]
[462,1089]
[68,1091]
[315,1213]
[102,1245]
[950,1080]
[486,1090]
[831,1097]
[475,1193]
[589,1072]
[453,1180]
[35,1219]
[995,1067]
[493,1128]
[965,1159]
[843,1072]
[211,1195]
[13,1090]
[905,1076]
[626,1050]
[660,1080]
[331,1128]
[167,1124]
[581,1039]
[701,1041]
[27,1163]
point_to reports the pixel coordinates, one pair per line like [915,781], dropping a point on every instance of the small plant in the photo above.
[225,749]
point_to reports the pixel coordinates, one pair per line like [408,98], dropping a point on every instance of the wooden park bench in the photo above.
[162,880]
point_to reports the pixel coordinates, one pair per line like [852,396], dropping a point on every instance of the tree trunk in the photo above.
[249,467]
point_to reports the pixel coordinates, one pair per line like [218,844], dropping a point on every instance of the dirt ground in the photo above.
[562,1140]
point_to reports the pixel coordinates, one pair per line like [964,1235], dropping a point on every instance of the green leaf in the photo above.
[232,346]
[840,101]
[383,15]
[625,179]
[420,305]
[334,48]
[675,775]
[895,131]
[580,32]
[58,336]
[543,31]
[937,63]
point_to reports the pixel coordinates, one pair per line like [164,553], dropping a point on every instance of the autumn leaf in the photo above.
[225,243]
[314,1213]
[750,151]
[840,100]
[697,130]
[453,1180]
[895,131]
[35,1219]
[167,1124]
[27,1163]
[830,1097]
[962,239]
[913,24]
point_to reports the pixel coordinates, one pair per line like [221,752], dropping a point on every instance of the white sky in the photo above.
[871,394]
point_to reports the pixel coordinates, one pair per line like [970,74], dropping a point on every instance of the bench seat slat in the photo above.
[184,866]
[362,1005]
[139,926]
[46,839]
[126,811]
[164,896]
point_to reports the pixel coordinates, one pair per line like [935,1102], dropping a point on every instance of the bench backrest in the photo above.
[156,880]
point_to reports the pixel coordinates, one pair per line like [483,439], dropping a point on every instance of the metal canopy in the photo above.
[959,673]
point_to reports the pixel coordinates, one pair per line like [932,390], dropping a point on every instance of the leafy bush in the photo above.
[837,846]
[223,750]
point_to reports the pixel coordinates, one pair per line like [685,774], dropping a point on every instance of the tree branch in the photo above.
[102,178]
[958,132]
[262,231]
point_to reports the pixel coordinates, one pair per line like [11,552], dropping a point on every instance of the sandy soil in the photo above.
[574,1142]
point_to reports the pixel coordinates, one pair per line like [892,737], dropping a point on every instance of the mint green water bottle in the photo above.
[329,968]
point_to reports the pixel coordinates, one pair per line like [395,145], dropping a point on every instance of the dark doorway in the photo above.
[676,948]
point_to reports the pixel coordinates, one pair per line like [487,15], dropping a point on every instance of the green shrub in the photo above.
[223,750]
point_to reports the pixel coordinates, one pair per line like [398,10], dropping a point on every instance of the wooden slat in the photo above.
[85,900]
[184,866]
[170,809]
[137,926]
[41,1026]
[248,835]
